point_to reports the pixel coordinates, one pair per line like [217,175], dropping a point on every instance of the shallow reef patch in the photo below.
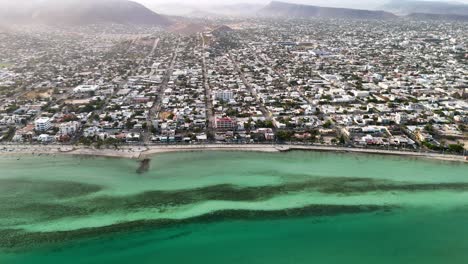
[16,239]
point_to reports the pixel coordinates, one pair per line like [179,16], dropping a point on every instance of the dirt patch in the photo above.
[43,93]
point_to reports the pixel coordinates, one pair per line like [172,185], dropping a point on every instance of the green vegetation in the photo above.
[248,125]
[48,108]
[9,134]
[453,148]
[327,124]
[456,148]
[429,128]
[232,112]
[4,65]
[153,129]
[85,141]
[95,105]
[326,97]
[107,118]
[170,116]
[432,146]
[265,124]
[284,135]
[12,108]
[462,127]
[130,124]
[342,140]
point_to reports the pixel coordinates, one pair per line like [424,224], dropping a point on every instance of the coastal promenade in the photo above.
[138,152]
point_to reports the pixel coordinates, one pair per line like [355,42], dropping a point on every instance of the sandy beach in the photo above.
[137,152]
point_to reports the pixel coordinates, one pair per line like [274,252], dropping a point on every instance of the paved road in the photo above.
[283,78]
[138,151]
[211,126]
[153,112]
[298,90]
[150,55]
[267,114]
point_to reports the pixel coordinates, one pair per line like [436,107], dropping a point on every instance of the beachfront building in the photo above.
[42,124]
[69,128]
[225,123]
[44,138]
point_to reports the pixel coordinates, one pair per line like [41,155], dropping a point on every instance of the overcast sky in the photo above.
[153,4]
[158,5]
[321,2]
[221,2]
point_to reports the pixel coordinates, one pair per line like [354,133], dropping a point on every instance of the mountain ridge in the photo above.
[283,9]
[427,16]
[426,7]
[82,12]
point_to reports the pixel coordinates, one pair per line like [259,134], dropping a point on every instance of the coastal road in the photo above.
[136,152]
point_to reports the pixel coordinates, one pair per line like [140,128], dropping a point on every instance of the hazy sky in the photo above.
[221,2]
[322,2]
[360,4]
[332,3]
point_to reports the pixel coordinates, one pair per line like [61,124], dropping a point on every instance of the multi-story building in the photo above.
[69,128]
[86,88]
[42,124]
[224,95]
[401,118]
[225,123]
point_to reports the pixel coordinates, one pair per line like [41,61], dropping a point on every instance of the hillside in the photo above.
[426,7]
[281,9]
[425,16]
[76,12]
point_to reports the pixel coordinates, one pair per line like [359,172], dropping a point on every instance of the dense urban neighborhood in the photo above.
[396,85]
[234,131]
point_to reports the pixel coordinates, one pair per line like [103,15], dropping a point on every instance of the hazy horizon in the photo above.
[371,4]
[332,3]
[197,7]
[312,2]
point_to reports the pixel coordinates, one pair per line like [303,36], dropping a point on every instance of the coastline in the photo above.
[141,152]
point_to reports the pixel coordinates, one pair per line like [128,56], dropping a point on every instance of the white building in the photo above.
[224,95]
[69,128]
[401,118]
[360,94]
[42,124]
[44,138]
[86,88]
[91,131]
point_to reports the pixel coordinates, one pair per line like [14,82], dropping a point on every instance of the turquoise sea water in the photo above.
[419,209]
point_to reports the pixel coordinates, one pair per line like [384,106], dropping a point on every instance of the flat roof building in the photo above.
[42,124]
